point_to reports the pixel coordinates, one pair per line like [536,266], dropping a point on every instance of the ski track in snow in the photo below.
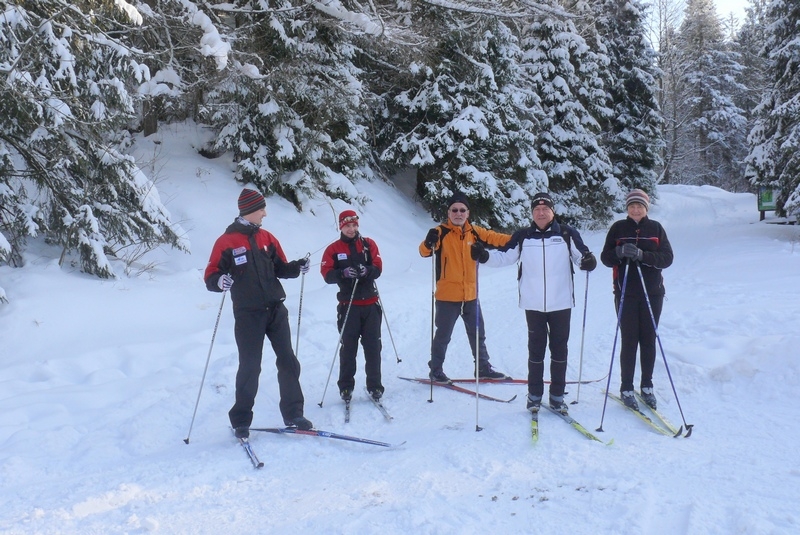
[98,381]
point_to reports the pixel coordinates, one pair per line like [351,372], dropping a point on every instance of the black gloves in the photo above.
[304,264]
[478,252]
[358,272]
[432,238]
[588,262]
[630,251]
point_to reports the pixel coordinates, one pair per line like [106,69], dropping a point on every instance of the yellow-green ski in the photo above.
[642,416]
[577,426]
[676,432]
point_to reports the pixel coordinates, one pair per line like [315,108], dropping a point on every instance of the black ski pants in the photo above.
[363,322]
[542,325]
[637,331]
[447,313]
[250,329]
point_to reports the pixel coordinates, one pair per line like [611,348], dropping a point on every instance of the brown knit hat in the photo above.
[249,201]
[639,196]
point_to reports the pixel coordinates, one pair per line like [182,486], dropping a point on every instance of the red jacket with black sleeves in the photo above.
[352,252]
[255,260]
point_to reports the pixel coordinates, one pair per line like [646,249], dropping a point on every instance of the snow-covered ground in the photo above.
[98,381]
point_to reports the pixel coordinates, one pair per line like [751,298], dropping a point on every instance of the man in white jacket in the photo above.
[545,252]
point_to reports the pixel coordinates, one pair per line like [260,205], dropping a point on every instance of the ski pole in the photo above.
[300,309]
[208,358]
[664,356]
[433,308]
[477,345]
[380,302]
[341,333]
[583,334]
[614,346]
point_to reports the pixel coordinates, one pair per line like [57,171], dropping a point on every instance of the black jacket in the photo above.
[650,237]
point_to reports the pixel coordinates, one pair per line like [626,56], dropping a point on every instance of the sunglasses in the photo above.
[458,210]
[349,219]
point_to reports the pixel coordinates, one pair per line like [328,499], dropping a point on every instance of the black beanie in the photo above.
[458,197]
[542,198]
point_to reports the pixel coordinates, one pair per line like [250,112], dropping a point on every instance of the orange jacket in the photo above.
[455,268]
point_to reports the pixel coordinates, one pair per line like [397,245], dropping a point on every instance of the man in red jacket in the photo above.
[253,259]
[354,262]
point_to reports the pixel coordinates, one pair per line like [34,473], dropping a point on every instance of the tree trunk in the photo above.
[150,108]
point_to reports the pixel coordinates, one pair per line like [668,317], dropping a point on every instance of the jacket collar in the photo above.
[466,228]
[242,226]
[350,240]
[642,221]
[552,227]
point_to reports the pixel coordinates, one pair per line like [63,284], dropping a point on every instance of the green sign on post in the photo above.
[766,199]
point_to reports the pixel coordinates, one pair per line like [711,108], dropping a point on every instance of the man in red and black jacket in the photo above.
[253,259]
[354,262]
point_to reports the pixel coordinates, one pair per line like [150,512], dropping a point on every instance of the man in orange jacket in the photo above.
[456,285]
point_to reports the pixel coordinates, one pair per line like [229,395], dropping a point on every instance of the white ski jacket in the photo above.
[545,270]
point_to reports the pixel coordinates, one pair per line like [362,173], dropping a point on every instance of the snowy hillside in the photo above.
[98,381]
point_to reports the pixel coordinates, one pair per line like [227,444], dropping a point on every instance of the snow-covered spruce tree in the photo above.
[185,54]
[750,42]
[632,134]
[774,158]
[711,140]
[664,21]
[294,110]
[567,74]
[69,81]
[463,116]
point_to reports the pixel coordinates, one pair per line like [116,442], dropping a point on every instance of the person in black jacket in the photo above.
[353,262]
[637,242]
[253,259]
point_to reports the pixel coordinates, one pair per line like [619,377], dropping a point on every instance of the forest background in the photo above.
[582,98]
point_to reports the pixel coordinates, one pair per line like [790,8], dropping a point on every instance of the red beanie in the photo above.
[348,216]
[250,201]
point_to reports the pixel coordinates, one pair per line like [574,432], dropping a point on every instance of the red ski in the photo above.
[524,381]
[458,389]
